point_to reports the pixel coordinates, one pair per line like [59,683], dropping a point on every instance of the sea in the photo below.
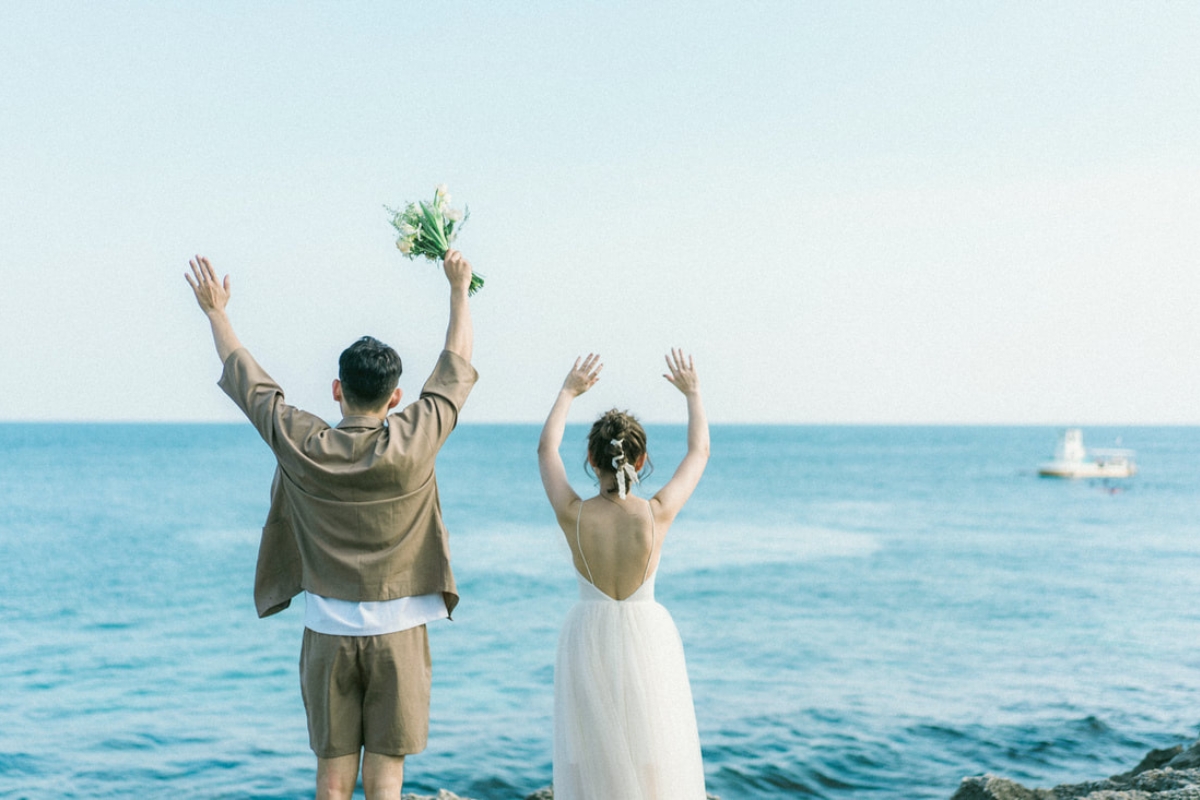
[867,612]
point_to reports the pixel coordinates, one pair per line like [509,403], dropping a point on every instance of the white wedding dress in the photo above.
[624,724]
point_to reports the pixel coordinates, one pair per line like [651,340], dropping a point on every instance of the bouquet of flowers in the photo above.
[428,229]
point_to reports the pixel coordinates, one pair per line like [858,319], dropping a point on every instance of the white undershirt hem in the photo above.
[371,617]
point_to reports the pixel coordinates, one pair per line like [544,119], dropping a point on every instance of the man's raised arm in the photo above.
[460,336]
[212,296]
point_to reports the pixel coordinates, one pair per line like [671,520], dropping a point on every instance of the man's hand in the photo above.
[460,336]
[211,294]
[458,270]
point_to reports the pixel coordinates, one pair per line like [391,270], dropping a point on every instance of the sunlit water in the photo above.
[867,612]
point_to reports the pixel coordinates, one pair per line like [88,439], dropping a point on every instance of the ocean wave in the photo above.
[710,546]
[542,552]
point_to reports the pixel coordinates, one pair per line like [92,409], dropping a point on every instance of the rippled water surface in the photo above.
[867,612]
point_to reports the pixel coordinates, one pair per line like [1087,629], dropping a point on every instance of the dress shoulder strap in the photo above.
[653,541]
[579,546]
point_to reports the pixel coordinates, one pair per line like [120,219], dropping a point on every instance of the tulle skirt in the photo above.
[624,724]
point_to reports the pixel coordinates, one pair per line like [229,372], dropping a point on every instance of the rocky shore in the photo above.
[1172,774]
[540,794]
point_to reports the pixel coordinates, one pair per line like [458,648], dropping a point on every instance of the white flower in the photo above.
[453,214]
[441,198]
[404,245]
[407,230]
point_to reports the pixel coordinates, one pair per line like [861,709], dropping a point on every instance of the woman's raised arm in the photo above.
[582,377]
[671,497]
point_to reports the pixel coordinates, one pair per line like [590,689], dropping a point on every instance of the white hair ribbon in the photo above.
[626,469]
[622,470]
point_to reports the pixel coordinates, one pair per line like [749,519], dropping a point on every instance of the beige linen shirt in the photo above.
[354,509]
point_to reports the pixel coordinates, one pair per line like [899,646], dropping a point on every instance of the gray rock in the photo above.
[1155,759]
[989,787]
[1172,774]
[1188,759]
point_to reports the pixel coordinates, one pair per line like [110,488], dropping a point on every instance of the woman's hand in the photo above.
[683,373]
[675,493]
[583,376]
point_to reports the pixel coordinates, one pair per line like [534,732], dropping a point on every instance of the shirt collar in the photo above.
[355,421]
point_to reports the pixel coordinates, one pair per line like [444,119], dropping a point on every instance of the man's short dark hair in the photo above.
[369,371]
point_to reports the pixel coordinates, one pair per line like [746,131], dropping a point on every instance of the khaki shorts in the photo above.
[367,692]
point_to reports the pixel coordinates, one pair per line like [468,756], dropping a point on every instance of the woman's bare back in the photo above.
[620,542]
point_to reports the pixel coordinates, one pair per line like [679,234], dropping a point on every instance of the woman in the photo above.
[624,725]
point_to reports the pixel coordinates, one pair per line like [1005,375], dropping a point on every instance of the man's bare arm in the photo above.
[460,336]
[212,296]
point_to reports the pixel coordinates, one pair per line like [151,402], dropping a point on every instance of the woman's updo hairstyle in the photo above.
[615,443]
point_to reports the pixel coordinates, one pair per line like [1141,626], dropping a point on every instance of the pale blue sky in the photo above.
[849,212]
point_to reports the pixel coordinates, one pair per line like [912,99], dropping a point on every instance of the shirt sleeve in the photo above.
[427,423]
[452,379]
[261,400]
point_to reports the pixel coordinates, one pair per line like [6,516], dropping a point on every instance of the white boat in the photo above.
[1073,460]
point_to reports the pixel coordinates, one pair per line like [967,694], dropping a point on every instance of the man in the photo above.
[355,523]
